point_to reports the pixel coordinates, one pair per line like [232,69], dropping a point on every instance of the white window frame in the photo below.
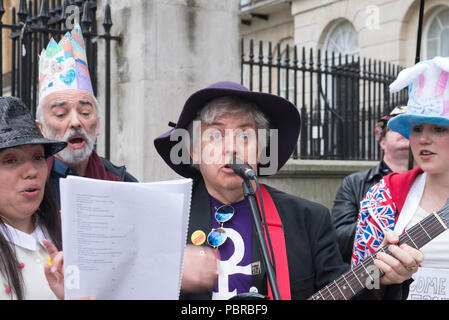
[427,30]
[332,30]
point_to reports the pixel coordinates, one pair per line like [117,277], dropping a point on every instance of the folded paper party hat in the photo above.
[63,65]
[428,95]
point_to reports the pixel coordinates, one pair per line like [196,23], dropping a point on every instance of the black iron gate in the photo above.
[31,27]
[340,98]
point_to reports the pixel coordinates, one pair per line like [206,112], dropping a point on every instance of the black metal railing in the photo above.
[340,98]
[31,27]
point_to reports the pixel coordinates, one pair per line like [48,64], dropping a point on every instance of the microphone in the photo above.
[244,170]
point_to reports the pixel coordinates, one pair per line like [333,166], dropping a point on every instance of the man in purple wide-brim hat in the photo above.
[219,126]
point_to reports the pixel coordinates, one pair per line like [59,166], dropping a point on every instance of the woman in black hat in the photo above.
[28,213]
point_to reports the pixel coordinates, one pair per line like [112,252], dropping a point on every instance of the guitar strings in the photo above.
[349,277]
[424,229]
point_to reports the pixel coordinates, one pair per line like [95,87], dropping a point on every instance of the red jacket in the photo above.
[399,185]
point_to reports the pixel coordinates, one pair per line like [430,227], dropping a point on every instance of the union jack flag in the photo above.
[377,214]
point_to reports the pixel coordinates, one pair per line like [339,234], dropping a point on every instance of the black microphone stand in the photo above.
[249,194]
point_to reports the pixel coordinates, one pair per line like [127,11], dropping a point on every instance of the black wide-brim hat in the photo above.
[281,113]
[17,128]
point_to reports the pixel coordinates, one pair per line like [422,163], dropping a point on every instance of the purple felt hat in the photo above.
[281,113]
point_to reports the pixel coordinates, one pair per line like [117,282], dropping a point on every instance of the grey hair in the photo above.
[233,105]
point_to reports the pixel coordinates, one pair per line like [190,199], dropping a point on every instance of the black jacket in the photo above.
[119,172]
[313,256]
[347,205]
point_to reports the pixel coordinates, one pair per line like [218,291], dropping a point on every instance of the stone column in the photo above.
[170,49]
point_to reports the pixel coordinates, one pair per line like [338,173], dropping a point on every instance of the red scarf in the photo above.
[278,241]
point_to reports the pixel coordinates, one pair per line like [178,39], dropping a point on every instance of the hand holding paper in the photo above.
[54,270]
[196,279]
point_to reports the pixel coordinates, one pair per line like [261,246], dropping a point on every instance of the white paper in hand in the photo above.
[124,240]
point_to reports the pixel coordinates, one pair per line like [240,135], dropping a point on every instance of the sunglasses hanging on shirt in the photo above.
[218,236]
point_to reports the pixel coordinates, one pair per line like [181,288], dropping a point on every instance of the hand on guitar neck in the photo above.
[395,261]
[394,264]
[400,263]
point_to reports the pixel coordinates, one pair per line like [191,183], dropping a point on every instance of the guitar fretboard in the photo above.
[365,274]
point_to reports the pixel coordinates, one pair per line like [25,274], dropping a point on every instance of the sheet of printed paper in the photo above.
[124,240]
[430,284]
[181,187]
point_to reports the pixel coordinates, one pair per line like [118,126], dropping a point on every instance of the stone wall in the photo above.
[387,30]
[315,180]
[170,49]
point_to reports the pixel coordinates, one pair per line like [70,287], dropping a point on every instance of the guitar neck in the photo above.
[365,274]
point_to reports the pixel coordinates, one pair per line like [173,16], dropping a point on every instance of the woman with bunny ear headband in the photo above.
[400,201]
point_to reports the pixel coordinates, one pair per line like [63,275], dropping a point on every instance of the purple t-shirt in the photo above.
[234,271]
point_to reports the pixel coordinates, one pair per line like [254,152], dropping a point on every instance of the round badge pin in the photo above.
[198,237]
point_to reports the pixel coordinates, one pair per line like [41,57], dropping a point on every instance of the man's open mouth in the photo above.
[77,142]
[227,168]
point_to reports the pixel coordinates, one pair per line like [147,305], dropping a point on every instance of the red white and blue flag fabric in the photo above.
[377,214]
[379,211]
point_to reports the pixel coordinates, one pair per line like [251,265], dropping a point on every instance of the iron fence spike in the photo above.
[107,22]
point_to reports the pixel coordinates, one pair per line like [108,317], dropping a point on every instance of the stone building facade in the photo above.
[171,48]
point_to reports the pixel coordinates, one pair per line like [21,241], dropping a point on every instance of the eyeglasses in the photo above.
[218,236]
